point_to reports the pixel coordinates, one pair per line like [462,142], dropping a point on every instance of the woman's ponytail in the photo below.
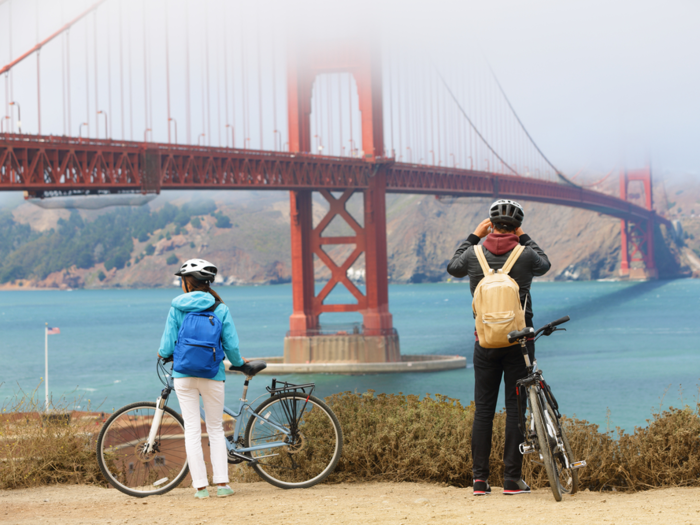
[195,285]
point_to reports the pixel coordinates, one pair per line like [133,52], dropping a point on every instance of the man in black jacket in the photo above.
[490,364]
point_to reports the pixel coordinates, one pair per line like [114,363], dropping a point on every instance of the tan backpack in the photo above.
[496,302]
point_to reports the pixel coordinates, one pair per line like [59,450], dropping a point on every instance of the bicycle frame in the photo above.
[545,397]
[243,407]
[535,380]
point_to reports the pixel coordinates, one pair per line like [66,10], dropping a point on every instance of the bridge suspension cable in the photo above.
[476,130]
[527,133]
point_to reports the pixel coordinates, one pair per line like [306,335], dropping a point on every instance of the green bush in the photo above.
[101,275]
[196,223]
[222,221]
[117,261]
[84,260]
[172,259]
[143,237]
[150,249]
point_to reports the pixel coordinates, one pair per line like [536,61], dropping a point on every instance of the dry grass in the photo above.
[402,438]
[42,451]
[387,438]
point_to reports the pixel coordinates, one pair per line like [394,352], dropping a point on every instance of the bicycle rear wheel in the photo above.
[312,449]
[567,477]
[544,443]
[120,451]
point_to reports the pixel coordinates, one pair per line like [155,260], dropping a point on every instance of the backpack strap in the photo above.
[479,251]
[514,255]
[213,306]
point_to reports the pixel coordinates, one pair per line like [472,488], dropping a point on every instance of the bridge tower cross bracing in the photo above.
[305,342]
[638,236]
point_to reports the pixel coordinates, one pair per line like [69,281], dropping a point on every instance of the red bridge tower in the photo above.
[638,236]
[378,341]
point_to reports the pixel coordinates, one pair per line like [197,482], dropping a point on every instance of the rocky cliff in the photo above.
[422,235]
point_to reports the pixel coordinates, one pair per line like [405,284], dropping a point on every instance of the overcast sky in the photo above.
[599,85]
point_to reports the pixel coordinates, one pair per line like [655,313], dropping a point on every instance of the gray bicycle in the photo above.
[291,440]
[542,429]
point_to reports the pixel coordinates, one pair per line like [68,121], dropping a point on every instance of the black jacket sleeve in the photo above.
[458,266]
[540,261]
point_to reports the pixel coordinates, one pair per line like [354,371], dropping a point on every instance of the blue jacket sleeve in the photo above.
[167,342]
[229,340]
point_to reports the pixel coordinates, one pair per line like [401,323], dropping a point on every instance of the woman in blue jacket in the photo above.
[196,275]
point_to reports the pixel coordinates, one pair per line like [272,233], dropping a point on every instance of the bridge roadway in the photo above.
[46,165]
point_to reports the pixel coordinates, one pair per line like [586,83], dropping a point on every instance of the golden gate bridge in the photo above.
[258,111]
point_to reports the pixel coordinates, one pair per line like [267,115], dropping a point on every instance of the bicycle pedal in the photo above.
[578,464]
[526,449]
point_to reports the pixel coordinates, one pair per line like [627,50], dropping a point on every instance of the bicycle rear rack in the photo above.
[289,387]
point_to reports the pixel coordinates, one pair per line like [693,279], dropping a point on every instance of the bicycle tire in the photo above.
[543,440]
[124,473]
[561,469]
[309,458]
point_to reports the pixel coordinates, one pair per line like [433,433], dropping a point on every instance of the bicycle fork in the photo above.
[525,447]
[149,446]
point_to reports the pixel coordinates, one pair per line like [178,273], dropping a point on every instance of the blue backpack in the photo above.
[198,350]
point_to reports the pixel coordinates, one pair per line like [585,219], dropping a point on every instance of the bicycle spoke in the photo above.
[306,452]
[121,457]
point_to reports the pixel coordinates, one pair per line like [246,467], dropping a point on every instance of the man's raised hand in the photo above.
[482,230]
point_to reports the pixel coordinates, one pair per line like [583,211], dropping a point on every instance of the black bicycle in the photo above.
[542,428]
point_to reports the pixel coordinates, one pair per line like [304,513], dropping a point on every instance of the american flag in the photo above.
[53,331]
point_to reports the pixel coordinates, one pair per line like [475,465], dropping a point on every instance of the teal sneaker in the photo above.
[223,492]
[201,494]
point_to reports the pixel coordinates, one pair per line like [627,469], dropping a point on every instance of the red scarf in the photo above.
[500,243]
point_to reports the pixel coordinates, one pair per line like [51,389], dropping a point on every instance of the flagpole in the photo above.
[46,364]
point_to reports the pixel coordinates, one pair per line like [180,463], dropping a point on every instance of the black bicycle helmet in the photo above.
[505,211]
[199,269]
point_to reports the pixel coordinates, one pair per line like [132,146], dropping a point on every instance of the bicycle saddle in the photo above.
[519,334]
[250,369]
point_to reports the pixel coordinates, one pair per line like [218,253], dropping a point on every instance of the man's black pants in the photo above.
[490,364]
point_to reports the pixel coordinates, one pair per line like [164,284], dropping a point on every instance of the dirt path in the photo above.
[380,503]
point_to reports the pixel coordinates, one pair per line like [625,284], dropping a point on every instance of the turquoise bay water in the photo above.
[630,347]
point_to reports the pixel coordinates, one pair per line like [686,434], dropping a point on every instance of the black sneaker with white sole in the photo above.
[511,487]
[481,487]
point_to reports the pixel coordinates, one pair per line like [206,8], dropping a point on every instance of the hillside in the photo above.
[247,235]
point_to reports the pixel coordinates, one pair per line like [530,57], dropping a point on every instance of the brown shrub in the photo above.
[666,452]
[389,437]
[403,438]
[41,451]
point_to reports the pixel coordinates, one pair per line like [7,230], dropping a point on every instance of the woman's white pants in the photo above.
[188,390]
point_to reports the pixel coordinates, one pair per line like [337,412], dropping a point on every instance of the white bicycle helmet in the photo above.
[199,269]
[507,212]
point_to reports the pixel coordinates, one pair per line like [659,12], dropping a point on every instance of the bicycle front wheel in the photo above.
[568,477]
[544,443]
[120,448]
[311,449]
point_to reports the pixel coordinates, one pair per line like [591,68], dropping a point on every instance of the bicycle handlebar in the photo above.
[549,327]
[560,321]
